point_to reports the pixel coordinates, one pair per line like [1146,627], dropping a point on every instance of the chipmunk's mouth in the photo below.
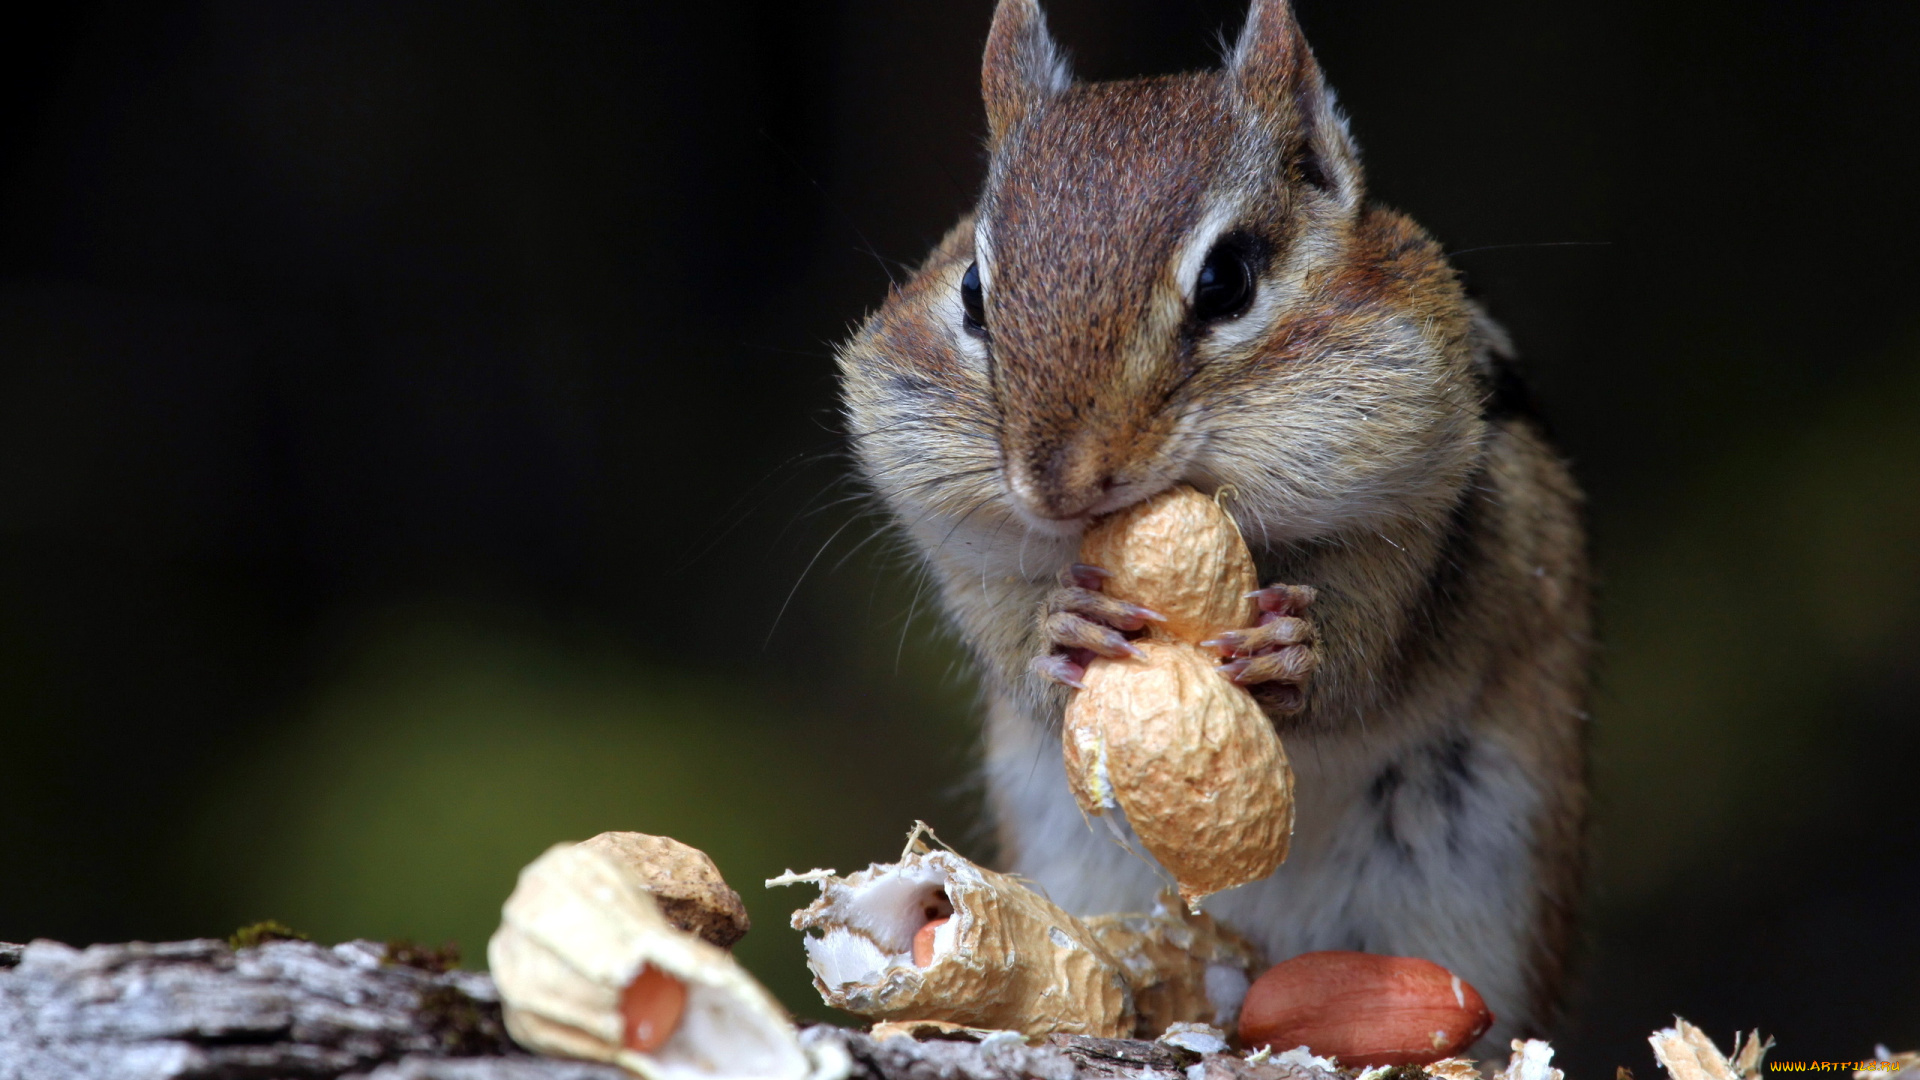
[1115,498]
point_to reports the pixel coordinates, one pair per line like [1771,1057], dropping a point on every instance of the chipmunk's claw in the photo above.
[1085,576]
[1283,599]
[1290,665]
[1272,632]
[1062,668]
[1080,623]
[1275,656]
[1100,608]
[1064,628]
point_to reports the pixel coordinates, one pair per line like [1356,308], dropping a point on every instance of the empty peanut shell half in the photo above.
[589,968]
[991,953]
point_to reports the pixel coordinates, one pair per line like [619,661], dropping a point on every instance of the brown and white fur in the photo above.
[1365,418]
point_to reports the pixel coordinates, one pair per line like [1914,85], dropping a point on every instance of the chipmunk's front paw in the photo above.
[1275,656]
[1080,622]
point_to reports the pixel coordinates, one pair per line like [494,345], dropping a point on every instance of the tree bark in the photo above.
[199,1010]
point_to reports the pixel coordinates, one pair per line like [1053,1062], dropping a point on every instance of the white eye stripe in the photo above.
[983,256]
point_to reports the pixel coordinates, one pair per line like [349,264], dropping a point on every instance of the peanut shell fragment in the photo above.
[1183,968]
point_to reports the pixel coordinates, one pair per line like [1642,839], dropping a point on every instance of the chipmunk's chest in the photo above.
[1407,848]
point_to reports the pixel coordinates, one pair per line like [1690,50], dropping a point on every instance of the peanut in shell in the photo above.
[1188,756]
[1179,554]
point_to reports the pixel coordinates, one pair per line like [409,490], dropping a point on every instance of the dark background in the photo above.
[415,419]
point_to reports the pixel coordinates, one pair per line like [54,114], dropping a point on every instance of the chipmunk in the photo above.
[1179,280]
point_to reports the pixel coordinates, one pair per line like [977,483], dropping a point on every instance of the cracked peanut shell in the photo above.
[1001,956]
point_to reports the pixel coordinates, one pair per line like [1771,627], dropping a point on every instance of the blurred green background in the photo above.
[417,446]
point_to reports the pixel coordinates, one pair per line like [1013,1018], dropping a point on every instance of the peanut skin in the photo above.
[652,1005]
[1364,1010]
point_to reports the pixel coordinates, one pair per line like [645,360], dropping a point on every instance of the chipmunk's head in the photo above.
[1176,280]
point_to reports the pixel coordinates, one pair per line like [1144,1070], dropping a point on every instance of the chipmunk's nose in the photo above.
[1068,480]
[1041,498]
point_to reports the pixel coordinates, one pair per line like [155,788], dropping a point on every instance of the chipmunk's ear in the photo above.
[1022,67]
[1280,85]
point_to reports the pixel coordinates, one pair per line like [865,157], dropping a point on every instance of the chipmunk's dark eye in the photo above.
[1225,285]
[972,300]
